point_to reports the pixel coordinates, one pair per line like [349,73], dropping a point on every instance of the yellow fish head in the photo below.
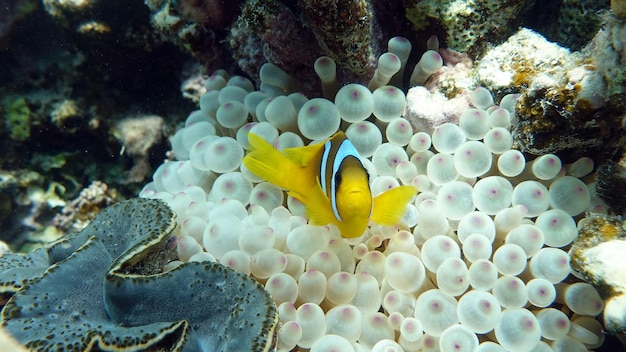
[353,198]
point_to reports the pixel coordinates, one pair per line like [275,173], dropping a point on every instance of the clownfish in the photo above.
[331,181]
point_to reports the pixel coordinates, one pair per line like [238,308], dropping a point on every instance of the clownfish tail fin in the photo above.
[389,206]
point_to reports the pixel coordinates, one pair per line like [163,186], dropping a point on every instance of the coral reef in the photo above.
[268,31]
[83,209]
[609,55]
[138,135]
[353,38]
[598,255]
[565,104]
[469,25]
[610,185]
[577,22]
[121,257]
[347,32]
[64,89]
[214,13]
[27,197]
[195,26]
[49,81]
[264,31]
[571,23]
[557,116]
[524,56]
[501,187]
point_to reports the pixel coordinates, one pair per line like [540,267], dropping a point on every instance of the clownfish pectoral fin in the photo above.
[390,205]
[306,155]
[318,207]
[268,163]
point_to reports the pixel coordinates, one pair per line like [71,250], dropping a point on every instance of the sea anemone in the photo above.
[477,255]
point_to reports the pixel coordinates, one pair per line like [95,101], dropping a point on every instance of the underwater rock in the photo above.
[567,114]
[346,32]
[138,135]
[610,185]
[426,110]
[598,255]
[197,27]
[78,213]
[469,25]
[574,28]
[525,55]
[12,12]
[268,31]
[216,14]
[564,103]
[106,287]
[608,50]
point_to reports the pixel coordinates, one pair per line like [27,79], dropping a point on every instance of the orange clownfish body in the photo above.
[330,180]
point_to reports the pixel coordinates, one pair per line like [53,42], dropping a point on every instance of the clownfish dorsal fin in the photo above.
[304,156]
[389,206]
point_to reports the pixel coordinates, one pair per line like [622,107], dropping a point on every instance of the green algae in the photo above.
[18,118]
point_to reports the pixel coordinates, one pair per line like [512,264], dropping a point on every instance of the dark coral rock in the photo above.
[611,186]
[571,23]
[469,27]
[268,31]
[609,55]
[558,119]
[216,14]
[345,30]
[12,12]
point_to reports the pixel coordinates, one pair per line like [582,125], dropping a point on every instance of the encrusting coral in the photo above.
[597,255]
[574,28]
[268,31]
[84,208]
[469,25]
[345,32]
[568,101]
[137,136]
[109,286]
